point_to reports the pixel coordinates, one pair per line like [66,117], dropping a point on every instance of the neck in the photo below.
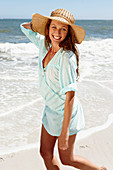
[54,49]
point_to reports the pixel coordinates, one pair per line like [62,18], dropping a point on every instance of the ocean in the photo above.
[21,105]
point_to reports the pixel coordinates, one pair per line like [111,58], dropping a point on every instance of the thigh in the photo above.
[47,142]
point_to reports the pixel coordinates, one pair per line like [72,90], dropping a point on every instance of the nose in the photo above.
[58,32]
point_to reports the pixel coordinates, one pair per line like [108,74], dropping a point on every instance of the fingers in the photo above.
[63,147]
[62,144]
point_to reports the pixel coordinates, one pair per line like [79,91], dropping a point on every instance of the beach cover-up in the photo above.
[57,78]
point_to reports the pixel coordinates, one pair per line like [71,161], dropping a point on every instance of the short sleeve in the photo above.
[33,36]
[68,73]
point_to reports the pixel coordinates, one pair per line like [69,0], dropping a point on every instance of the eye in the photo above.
[53,27]
[64,29]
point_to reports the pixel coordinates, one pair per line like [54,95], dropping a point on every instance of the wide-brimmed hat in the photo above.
[39,22]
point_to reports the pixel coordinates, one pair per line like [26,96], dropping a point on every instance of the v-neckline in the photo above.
[44,68]
[43,60]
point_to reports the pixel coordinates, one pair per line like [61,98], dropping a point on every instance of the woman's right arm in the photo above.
[34,37]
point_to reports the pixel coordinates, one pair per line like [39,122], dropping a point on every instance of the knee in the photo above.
[65,159]
[45,154]
[42,153]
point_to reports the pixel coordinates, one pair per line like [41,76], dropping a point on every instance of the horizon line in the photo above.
[76,19]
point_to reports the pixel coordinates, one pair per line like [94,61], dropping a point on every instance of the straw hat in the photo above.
[62,15]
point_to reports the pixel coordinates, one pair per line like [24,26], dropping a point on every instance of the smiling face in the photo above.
[57,32]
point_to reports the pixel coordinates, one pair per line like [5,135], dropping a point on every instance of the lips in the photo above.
[56,37]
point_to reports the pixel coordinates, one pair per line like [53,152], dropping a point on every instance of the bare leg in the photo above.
[68,158]
[47,149]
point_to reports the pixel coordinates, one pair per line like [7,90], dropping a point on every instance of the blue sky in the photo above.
[81,9]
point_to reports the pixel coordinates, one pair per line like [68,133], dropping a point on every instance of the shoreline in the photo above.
[97,147]
[88,132]
[80,136]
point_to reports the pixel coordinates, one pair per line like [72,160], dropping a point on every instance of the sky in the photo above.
[81,9]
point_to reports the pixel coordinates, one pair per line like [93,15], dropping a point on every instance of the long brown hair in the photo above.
[69,43]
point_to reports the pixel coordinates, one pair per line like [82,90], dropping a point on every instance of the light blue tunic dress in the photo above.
[55,80]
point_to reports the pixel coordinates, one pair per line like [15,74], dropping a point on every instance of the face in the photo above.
[57,32]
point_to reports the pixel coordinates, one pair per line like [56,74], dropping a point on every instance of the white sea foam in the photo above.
[13,78]
[100,83]
[20,107]
[96,59]
[25,49]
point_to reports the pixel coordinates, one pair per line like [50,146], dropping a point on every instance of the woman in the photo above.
[58,70]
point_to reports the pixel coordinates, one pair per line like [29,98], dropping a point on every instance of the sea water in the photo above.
[21,105]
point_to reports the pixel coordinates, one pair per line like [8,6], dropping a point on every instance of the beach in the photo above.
[21,105]
[97,147]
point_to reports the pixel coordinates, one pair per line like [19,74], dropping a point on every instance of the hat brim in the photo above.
[39,22]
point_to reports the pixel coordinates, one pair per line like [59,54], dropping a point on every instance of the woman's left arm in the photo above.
[64,136]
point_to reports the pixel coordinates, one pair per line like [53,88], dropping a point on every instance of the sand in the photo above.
[97,147]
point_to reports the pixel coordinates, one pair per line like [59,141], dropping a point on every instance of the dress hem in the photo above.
[59,135]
